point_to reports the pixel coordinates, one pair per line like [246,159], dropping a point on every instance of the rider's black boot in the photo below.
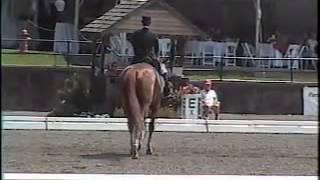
[166,89]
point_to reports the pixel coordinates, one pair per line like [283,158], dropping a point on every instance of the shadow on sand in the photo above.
[110,156]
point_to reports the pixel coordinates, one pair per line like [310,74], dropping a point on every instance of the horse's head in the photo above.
[163,67]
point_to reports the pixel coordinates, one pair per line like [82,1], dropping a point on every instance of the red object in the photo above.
[281,47]
[23,43]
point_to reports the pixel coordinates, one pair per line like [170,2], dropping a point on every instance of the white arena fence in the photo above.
[26,176]
[161,125]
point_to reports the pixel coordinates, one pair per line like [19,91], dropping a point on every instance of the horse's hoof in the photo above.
[135,157]
[149,151]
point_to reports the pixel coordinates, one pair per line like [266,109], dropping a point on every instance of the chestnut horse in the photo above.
[141,90]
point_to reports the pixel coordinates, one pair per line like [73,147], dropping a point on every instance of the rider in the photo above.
[146,48]
[209,98]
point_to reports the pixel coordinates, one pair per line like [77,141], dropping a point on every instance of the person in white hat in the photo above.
[209,100]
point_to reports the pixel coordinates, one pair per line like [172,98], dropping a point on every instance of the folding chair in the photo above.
[208,51]
[294,51]
[164,47]
[192,52]
[248,52]
[230,51]
[265,51]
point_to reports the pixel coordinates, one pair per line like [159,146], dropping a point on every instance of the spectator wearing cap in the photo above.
[209,99]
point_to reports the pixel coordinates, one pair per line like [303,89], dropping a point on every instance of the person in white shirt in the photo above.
[312,43]
[209,100]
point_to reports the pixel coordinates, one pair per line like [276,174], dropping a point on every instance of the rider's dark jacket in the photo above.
[143,42]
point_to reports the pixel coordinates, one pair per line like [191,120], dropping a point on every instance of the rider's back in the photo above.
[143,42]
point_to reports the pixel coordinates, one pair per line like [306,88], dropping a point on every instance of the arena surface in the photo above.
[175,153]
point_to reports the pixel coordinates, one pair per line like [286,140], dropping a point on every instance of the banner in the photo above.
[310,101]
[190,107]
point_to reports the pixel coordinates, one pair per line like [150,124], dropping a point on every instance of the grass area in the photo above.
[49,59]
[31,59]
[267,76]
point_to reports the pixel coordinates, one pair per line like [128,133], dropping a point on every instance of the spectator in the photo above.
[312,44]
[209,100]
[188,88]
[281,43]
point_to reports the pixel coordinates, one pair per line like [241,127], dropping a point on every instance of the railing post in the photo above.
[291,70]
[221,68]
[103,52]
[67,55]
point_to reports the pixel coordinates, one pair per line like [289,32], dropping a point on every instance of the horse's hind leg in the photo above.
[135,143]
[132,139]
[136,135]
[141,136]
[154,111]
[151,129]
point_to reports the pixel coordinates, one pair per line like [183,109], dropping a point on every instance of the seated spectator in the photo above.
[209,100]
[188,88]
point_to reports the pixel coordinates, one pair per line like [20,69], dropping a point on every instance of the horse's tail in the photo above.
[131,102]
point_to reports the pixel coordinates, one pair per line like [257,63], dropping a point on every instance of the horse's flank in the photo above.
[141,94]
[139,89]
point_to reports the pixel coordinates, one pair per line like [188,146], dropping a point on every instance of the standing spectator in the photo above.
[312,44]
[281,43]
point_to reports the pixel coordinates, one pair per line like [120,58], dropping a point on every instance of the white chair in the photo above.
[265,51]
[119,48]
[208,51]
[192,52]
[220,48]
[303,53]
[278,63]
[248,51]
[230,51]
[164,47]
[294,51]
[129,52]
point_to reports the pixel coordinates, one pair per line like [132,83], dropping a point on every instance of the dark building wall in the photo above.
[35,89]
[236,18]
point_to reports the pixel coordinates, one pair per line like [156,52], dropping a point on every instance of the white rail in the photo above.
[171,125]
[25,176]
